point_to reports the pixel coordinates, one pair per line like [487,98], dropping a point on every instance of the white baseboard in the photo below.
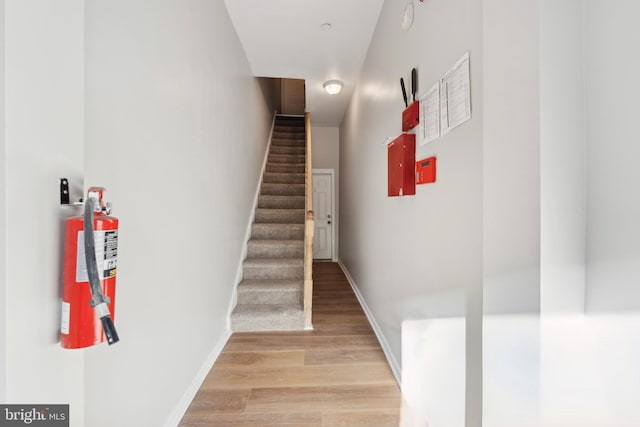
[182,406]
[393,363]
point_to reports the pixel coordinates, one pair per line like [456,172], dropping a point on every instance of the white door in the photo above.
[323,215]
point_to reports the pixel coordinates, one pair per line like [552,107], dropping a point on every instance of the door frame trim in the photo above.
[332,173]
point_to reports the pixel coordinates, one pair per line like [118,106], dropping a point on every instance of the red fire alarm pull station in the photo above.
[426,171]
[401,165]
[411,116]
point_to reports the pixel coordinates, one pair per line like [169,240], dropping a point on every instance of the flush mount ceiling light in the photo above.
[326,26]
[332,86]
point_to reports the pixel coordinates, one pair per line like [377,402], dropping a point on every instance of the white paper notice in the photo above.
[455,95]
[430,115]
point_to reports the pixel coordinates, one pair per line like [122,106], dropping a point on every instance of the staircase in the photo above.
[270,295]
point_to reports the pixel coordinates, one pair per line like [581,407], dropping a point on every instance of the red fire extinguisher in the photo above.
[89,277]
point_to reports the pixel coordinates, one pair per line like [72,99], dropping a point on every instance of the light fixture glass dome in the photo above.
[332,86]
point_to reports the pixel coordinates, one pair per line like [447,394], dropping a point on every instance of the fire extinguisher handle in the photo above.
[109,330]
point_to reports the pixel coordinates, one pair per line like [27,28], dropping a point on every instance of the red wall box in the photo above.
[411,116]
[401,158]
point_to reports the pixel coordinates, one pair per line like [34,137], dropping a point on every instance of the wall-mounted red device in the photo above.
[401,165]
[426,171]
[411,116]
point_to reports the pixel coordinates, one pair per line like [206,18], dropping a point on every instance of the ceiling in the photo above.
[285,38]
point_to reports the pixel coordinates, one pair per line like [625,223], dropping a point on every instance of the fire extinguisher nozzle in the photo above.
[109,330]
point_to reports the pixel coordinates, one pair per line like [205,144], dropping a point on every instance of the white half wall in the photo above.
[176,131]
[44,126]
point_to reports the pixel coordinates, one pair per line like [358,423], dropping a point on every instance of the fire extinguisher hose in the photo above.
[98,300]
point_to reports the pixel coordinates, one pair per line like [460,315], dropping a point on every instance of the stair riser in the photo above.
[286,158]
[267,297]
[283,178]
[289,134]
[280,216]
[279,149]
[277,232]
[287,142]
[289,127]
[258,249]
[251,272]
[281,202]
[256,325]
[284,168]
[282,189]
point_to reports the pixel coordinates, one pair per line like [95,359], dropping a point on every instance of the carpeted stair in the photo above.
[270,295]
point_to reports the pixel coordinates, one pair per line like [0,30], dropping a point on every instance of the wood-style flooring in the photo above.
[335,375]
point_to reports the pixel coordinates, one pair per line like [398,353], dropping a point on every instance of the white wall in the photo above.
[558,205]
[171,121]
[3,224]
[553,365]
[326,155]
[613,244]
[176,131]
[326,147]
[416,257]
[44,104]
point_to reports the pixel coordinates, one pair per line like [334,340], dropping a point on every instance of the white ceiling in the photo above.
[285,38]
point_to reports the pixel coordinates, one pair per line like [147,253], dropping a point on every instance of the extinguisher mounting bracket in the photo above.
[65,194]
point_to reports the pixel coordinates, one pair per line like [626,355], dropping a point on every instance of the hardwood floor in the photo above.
[335,375]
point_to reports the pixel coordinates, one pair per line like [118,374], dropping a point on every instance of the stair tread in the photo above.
[280,198]
[290,242]
[281,209]
[293,262]
[279,224]
[283,184]
[270,284]
[278,310]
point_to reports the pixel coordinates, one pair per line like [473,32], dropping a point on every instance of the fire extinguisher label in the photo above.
[106,255]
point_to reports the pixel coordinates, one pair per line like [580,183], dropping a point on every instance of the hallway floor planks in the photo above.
[335,375]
